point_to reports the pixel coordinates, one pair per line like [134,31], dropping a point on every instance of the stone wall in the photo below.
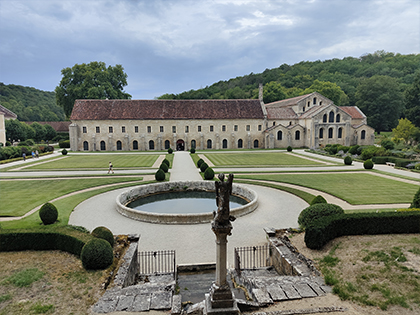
[128,270]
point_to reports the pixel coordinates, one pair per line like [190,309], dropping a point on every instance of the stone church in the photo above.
[310,121]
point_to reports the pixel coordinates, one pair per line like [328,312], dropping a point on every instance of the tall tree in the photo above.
[15,130]
[405,130]
[412,101]
[90,81]
[330,90]
[273,91]
[380,98]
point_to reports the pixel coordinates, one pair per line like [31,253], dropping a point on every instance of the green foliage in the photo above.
[330,90]
[97,254]
[24,278]
[164,167]
[192,150]
[166,161]
[318,199]
[199,162]
[104,233]
[387,144]
[39,308]
[90,81]
[405,129]
[416,200]
[368,164]
[273,91]
[208,173]
[160,175]
[412,101]
[48,213]
[64,144]
[40,131]
[203,166]
[170,151]
[348,160]
[289,149]
[321,231]
[317,211]
[64,152]
[355,149]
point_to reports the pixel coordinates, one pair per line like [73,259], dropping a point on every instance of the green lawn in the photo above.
[20,196]
[96,161]
[267,159]
[355,188]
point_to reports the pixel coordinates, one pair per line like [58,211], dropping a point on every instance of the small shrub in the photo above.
[368,164]
[203,167]
[64,152]
[318,199]
[317,211]
[97,254]
[104,233]
[164,167]
[354,149]
[199,162]
[64,144]
[289,149]
[192,150]
[48,213]
[209,173]
[170,151]
[166,161]
[348,160]
[416,200]
[387,144]
[160,175]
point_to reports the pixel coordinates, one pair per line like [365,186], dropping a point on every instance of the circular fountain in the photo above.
[183,217]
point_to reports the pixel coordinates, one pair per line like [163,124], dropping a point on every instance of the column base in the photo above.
[209,309]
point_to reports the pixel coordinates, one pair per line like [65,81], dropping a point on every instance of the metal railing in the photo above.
[157,262]
[252,257]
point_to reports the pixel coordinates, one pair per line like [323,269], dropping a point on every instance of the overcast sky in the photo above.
[171,46]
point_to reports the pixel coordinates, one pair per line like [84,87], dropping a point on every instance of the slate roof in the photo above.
[7,113]
[166,109]
[353,111]
[281,113]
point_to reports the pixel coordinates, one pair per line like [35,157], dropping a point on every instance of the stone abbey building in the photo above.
[310,121]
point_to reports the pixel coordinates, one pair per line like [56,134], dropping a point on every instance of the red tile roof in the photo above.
[353,111]
[166,109]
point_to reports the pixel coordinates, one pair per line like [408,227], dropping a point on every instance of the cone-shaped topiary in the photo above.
[368,164]
[318,199]
[166,161]
[170,151]
[203,167]
[64,152]
[199,162]
[289,149]
[160,175]
[348,160]
[192,150]
[208,173]
[104,233]
[48,213]
[164,167]
[416,200]
[97,254]
[317,211]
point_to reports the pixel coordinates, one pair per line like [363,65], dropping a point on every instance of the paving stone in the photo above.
[161,301]
[290,291]
[105,305]
[305,290]
[124,303]
[316,288]
[326,288]
[176,304]
[262,296]
[276,293]
[141,303]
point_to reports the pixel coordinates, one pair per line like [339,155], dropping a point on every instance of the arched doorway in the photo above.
[180,145]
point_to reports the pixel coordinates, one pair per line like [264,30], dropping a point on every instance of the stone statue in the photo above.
[223,191]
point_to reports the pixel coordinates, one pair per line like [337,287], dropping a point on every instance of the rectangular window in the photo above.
[123,129]
[136,129]
[187,129]
[173,129]
[235,128]
[211,128]
[259,127]
[110,129]
[314,100]
[98,130]
[224,128]
[248,127]
[149,129]
[84,130]
[199,128]
[161,128]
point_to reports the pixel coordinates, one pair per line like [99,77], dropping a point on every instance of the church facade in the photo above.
[310,120]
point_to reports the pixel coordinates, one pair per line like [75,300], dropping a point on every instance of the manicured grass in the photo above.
[96,161]
[267,159]
[355,188]
[20,196]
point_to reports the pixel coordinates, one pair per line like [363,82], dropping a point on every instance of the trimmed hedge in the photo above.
[40,241]
[104,233]
[348,160]
[416,200]
[368,164]
[166,161]
[203,166]
[160,175]
[321,231]
[398,161]
[209,173]
[289,149]
[97,254]
[164,167]
[316,212]
[199,162]
[48,213]
[318,199]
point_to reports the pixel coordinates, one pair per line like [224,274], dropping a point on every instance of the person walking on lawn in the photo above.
[110,168]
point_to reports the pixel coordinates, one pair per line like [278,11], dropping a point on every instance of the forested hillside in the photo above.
[30,104]
[375,82]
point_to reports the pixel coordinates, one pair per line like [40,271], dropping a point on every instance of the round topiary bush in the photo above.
[199,162]
[192,150]
[289,149]
[348,160]
[318,199]
[97,254]
[203,166]
[208,173]
[166,161]
[104,233]
[160,175]
[64,152]
[164,167]
[317,211]
[170,151]
[368,164]
[48,213]
[416,200]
